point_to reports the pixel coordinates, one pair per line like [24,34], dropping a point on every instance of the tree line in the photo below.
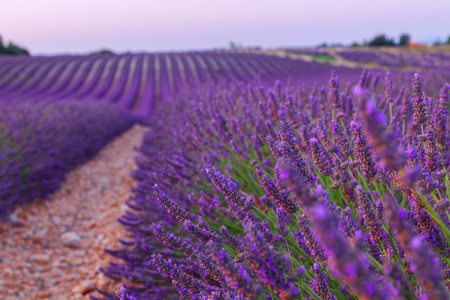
[12,49]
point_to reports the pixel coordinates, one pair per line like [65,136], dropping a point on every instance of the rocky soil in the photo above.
[51,249]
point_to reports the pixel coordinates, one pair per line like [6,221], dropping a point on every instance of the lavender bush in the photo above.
[292,193]
[40,141]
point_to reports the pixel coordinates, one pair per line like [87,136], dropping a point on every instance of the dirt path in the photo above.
[52,249]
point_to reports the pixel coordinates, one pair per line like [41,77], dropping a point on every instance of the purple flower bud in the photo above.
[320,284]
[321,158]
[423,262]
[202,232]
[172,207]
[432,156]
[334,91]
[308,238]
[273,190]
[341,139]
[281,216]
[389,88]
[172,240]
[363,151]
[441,116]
[418,100]
[178,277]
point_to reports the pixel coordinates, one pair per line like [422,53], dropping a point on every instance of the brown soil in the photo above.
[52,248]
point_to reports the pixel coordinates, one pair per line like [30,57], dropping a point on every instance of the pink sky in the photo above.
[80,26]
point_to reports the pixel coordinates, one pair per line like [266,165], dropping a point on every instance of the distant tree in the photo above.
[448,40]
[355,44]
[12,49]
[404,40]
[322,45]
[233,46]
[2,47]
[103,51]
[16,50]
[381,40]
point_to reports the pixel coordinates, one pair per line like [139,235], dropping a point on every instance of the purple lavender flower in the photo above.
[235,274]
[203,232]
[123,295]
[239,151]
[321,158]
[364,79]
[334,91]
[172,207]
[418,100]
[423,262]
[226,186]
[269,265]
[346,261]
[172,241]
[399,284]
[432,157]
[389,88]
[441,115]
[281,220]
[308,238]
[231,240]
[341,139]
[212,269]
[273,147]
[341,254]
[363,151]
[178,277]
[371,220]
[428,228]
[348,225]
[319,284]
[280,196]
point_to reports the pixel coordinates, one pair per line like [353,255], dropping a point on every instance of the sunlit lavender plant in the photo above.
[298,201]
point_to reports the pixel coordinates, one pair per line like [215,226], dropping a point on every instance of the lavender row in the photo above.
[399,58]
[140,82]
[42,140]
[293,192]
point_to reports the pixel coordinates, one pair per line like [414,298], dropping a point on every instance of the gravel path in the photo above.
[52,249]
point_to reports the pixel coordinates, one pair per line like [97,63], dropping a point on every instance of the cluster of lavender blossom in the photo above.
[40,141]
[292,193]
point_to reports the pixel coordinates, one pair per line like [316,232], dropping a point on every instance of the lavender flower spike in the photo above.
[178,277]
[441,115]
[363,151]
[226,186]
[172,241]
[418,100]
[389,88]
[280,196]
[334,91]
[321,157]
[172,207]
[346,261]
[424,263]
[320,285]
[341,139]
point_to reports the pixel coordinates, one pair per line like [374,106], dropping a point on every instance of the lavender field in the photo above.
[124,89]
[293,192]
[139,82]
[300,174]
